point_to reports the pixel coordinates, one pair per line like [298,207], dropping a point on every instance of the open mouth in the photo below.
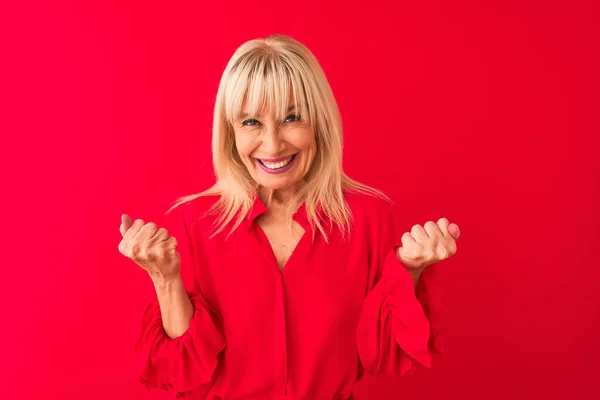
[279,166]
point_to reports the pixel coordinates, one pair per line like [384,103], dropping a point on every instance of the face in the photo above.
[278,154]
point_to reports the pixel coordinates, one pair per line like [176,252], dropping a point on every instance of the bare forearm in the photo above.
[175,306]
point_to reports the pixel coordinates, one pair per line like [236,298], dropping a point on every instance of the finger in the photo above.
[170,246]
[134,229]
[161,234]
[419,234]
[407,242]
[443,223]
[407,239]
[453,230]
[126,223]
[147,232]
[172,241]
[433,230]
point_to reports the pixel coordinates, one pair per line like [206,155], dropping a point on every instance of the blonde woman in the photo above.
[284,279]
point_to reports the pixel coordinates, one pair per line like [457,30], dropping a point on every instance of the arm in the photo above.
[175,306]
[395,325]
[182,335]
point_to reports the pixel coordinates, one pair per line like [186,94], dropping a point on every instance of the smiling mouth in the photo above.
[277,165]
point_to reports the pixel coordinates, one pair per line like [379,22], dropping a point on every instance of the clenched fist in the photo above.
[428,244]
[150,247]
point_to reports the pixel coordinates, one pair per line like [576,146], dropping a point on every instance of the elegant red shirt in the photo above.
[310,331]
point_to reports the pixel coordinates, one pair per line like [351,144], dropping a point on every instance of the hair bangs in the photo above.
[265,83]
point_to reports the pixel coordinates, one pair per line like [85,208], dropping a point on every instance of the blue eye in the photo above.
[250,122]
[294,118]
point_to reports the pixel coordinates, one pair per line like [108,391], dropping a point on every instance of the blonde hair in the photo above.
[266,72]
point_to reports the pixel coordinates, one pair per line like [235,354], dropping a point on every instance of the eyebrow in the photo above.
[244,115]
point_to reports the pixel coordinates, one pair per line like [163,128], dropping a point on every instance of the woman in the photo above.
[284,279]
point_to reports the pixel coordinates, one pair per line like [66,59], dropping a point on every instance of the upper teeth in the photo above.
[277,164]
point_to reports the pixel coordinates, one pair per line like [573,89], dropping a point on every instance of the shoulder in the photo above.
[195,210]
[368,206]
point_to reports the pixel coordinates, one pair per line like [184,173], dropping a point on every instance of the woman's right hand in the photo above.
[150,247]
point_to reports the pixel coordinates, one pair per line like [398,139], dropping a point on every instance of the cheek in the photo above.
[304,139]
[311,149]
[243,145]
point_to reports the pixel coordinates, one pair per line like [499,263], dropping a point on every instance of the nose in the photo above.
[272,142]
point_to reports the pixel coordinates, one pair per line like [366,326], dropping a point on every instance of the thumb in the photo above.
[126,223]
[453,230]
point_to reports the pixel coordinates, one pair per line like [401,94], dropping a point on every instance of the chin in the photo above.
[274,186]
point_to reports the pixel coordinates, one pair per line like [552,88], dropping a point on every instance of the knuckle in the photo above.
[136,249]
[452,248]
[148,253]
[160,251]
[428,253]
[151,225]
[443,253]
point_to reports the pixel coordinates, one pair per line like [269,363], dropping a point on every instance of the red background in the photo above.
[484,113]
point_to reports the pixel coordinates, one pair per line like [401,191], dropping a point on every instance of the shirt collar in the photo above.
[259,208]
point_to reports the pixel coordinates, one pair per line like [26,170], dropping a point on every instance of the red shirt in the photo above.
[306,332]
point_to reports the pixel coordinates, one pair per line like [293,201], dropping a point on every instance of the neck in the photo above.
[273,198]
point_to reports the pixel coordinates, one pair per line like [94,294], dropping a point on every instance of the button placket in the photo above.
[281,334]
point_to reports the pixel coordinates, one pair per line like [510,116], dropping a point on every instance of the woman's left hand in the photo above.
[428,244]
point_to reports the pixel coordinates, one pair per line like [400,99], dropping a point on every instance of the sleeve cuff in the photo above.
[413,327]
[185,362]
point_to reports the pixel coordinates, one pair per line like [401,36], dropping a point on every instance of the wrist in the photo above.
[166,283]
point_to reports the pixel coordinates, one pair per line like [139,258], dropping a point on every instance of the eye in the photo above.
[250,122]
[292,118]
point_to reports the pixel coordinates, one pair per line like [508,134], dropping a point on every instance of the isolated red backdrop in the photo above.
[485,114]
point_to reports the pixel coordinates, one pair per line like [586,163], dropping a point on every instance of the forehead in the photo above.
[265,105]
[245,109]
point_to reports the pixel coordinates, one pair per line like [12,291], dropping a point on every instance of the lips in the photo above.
[278,167]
